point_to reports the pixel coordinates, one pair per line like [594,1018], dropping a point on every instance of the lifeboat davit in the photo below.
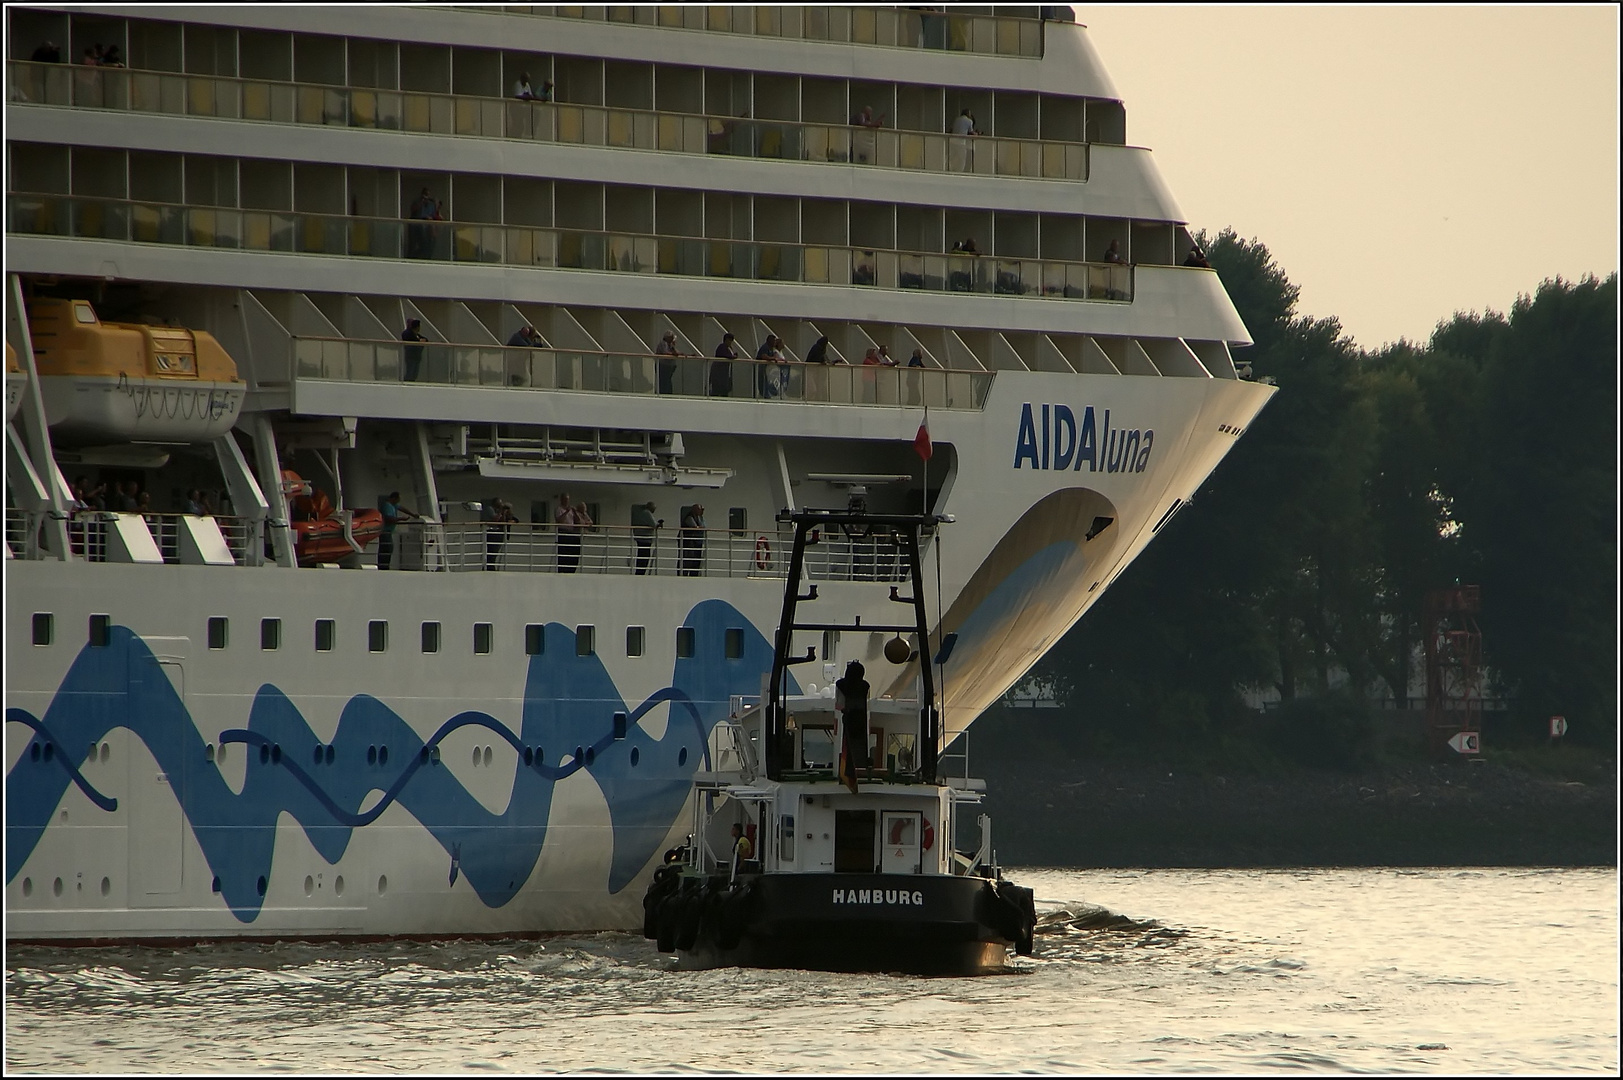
[318,526]
[119,381]
[15,381]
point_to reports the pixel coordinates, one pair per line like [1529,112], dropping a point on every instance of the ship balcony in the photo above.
[961,30]
[575,249]
[555,122]
[501,367]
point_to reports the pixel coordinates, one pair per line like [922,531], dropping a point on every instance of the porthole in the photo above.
[476,756]
[338,885]
[682,756]
[580,754]
[28,886]
[90,758]
[214,886]
[529,756]
[383,884]
[264,753]
[377,635]
[309,885]
[219,630]
[219,755]
[489,753]
[636,636]
[383,755]
[33,751]
[326,630]
[261,885]
[44,628]
[50,751]
[208,752]
[270,634]
[636,756]
[56,887]
[585,640]
[431,637]
[434,755]
[106,886]
[276,753]
[590,755]
[332,753]
[535,639]
[733,643]
[319,754]
[540,757]
[685,642]
[482,635]
[371,755]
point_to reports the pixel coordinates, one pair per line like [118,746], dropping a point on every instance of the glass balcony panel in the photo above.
[670,15]
[910,150]
[363,108]
[441,120]
[307,358]
[768,21]
[1052,160]
[1008,37]
[617,128]
[718,18]
[959,32]
[1010,278]
[465,113]
[985,33]
[888,266]
[1006,155]
[642,131]
[645,254]
[415,113]
[864,29]
[1031,38]
[492,366]
[571,123]
[312,102]
[391,109]
[816,264]
[670,132]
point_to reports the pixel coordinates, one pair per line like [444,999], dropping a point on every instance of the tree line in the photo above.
[1486,456]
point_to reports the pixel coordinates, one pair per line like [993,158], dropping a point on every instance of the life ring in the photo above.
[929,836]
[763,553]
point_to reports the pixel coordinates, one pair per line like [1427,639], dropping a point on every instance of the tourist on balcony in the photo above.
[643,526]
[1113,253]
[546,91]
[963,151]
[111,58]
[412,354]
[665,366]
[691,536]
[1197,258]
[392,512]
[47,52]
[498,516]
[773,373]
[521,88]
[571,521]
[420,238]
[864,143]
[525,337]
[721,369]
[197,504]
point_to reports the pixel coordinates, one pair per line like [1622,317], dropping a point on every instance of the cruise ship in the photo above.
[392,535]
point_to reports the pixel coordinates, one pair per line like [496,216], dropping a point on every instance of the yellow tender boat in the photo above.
[120,381]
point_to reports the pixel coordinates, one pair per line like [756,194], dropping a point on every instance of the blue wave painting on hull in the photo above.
[567,725]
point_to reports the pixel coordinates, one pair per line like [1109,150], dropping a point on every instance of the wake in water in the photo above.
[1082,919]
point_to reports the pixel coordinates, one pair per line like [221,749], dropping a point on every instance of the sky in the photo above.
[1400,163]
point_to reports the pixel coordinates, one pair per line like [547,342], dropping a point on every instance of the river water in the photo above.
[1445,971]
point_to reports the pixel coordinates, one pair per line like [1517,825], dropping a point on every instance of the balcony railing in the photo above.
[523,245]
[990,35]
[494,366]
[463,547]
[505,118]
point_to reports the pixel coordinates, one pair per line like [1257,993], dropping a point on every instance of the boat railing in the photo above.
[891,27]
[37,214]
[732,751]
[422,112]
[482,546]
[19,523]
[496,366]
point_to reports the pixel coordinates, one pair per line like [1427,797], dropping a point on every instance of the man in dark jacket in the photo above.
[721,369]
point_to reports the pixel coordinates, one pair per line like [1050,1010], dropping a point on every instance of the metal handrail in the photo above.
[349,360]
[470,115]
[522,245]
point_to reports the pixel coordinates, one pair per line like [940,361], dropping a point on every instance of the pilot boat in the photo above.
[808,852]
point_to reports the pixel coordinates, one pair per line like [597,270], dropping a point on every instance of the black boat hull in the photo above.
[917,924]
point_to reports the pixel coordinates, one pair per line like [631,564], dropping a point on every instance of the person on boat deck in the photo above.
[692,540]
[1113,253]
[525,337]
[1197,258]
[818,353]
[773,374]
[642,531]
[570,520]
[721,369]
[521,89]
[392,513]
[498,516]
[851,702]
[743,850]
[665,366]
[413,353]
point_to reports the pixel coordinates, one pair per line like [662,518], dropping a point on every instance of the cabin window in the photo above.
[377,635]
[684,642]
[101,629]
[585,640]
[84,314]
[735,643]
[635,636]
[325,632]
[482,635]
[270,634]
[44,627]
[535,639]
[431,637]
[620,725]
[219,631]
[738,520]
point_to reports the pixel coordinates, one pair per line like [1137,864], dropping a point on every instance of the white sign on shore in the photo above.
[1467,742]
[1558,726]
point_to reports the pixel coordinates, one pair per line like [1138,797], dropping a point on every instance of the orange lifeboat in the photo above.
[318,527]
[121,381]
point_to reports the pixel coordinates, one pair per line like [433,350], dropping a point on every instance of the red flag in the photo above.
[921,442]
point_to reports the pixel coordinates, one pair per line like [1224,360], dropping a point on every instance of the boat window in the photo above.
[684,642]
[44,627]
[84,314]
[738,520]
[377,635]
[270,634]
[619,725]
[101,628]
[535,639]
[585,640]
[735,643]
[325,629]
[219,629]
[431,637]
[635,636]
[482,633]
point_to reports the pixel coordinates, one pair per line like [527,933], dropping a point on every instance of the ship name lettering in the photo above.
[914,898]
[1051,439]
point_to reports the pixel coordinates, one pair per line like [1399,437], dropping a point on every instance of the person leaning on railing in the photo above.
[643,526]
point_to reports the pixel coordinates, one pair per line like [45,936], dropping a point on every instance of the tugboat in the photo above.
[823,834]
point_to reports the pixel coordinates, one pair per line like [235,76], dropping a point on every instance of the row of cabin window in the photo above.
[377,636]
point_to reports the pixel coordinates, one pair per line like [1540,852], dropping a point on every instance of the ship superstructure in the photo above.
[484,258]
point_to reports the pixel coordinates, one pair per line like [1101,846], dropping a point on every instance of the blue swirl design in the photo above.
[567,725]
